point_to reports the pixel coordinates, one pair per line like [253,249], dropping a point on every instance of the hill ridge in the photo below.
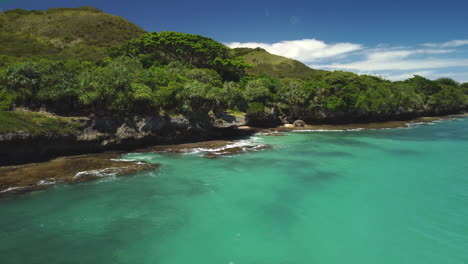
[63,33]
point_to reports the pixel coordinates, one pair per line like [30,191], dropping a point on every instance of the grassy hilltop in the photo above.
[274,65]
[63,33]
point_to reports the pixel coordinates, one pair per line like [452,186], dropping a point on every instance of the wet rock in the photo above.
[275,134]
[106,133]
[188,147]
[211,149]
[234,150]
[299,123]
[74,169]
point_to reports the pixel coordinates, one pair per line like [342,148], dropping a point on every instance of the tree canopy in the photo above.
[199,51]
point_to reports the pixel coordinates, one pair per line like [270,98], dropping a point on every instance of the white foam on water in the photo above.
[152,173]
[12,189]
[387,128]
[431,123]
[252,143]
[408,125]
[122,159]
[107,179]
[320,130]
[107,172]
[46,182]
[244,148]
[415,123]
[137,157]
[418,124]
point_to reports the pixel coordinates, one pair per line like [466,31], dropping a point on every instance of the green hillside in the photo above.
[274,65]
[86,33]
[63,33]
[191,75]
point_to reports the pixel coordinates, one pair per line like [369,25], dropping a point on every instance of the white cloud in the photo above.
[370,65]
[305,50]
[461,77]
[395,54]
[449,44]
[391,62]
[407,75]
[394,60]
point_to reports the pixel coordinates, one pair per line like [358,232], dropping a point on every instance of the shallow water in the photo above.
[374,196]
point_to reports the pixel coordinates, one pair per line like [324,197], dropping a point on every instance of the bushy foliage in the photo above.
[6,99]
[199,51]
[124,85]
[121,85]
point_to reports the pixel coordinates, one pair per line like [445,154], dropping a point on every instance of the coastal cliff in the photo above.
[272,117]
[115,133]
[85,135]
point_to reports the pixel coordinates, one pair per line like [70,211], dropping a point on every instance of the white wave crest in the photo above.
[12,189]
[135,158]
[320,130]
[107,172]
[251,143]
[46,182]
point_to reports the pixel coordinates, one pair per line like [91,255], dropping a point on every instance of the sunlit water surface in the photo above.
[381,196]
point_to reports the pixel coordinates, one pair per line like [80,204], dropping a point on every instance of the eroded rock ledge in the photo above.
[210,149]
[116,133]
[73,169]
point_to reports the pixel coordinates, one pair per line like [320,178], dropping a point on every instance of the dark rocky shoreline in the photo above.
[147,134]
[72,169]
[76,169]
[114,133]
[126,134]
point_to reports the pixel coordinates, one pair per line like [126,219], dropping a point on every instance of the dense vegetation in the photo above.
[196,50]
[176,73]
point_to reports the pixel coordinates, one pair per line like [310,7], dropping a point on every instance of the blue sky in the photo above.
[391,38]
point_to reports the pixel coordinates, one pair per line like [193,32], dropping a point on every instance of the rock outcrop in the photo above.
[117,133]
[299,123]
[74,169]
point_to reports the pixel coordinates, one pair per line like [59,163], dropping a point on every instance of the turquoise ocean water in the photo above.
[375,196]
